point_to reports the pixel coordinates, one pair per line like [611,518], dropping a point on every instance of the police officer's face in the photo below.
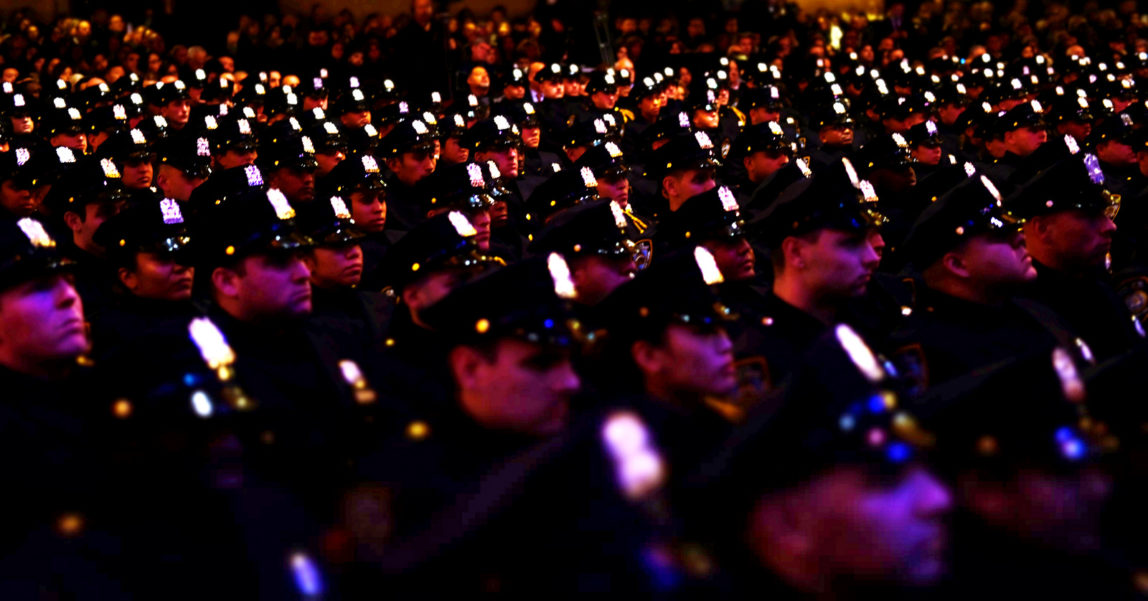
[858,526]
[453,152]
[837,135]
[22,125]
[77,142]
[369,211]
[270,286]
[689,360]
[329,160]
[518,386]
[928,154]
[1116,153]
[177,112]
[41,322]
[176,184]
[734,258]
[137,174]
[1078,239]
[482,223]
[762,114]
[505,158]
[997,260]
[650,106]
[355,119]
[950,113]
[604,100]
[838,264]
[335,266]
[412,167]
[514,92]
[1025,140]
[158,277]
[761,165]
[531,136]
[1076,129]
[596,277]
[236,158]
[687,184]
[298,185]
[83,230]
[705,119]
[20,202]
[552,90]
[615,188]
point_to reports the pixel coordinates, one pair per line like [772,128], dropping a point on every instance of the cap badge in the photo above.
[1093,166]
[419,127]
[22,156]
[65,154]
[708,266]
[279,202]
[244,127]
[474,172]
[212,345]
[703,140]
[560,274]
[109,168]
[461,224]
[339,206]
[613,150]
[369,164]
[588,178]
[254,176]
[171,213]
[988,184]
[36,233]
[137,137]
[619,214]
[728,202]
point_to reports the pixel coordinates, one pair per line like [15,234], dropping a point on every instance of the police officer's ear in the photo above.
[128,278]
[393,162]
[1038,228]
[793,252]
[954,262]
[670,185]
[650,358]
[74,221]
[225,281]
[465,364]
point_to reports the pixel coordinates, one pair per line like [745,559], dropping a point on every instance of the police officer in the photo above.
[182,165]
[973,262]
[598,242]
[359,182]
[1068,232]
[17,184]
[756,155]
[1113,140]
[288,162]
[409,154]
[684,167]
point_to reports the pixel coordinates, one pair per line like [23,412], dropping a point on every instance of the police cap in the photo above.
[973,208]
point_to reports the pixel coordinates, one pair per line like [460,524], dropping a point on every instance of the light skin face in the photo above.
[595,277]
[705,119]
[453,152]
[328,160]
[1070,240]
[761,165]
[1080,131]
[177,113]
[335,266]
[761,114]
[927,154]
[176,184]
[531,136]
[688,364]
[650,107]
[95,213]
[22,125]
[137,175]
[604,100]
[505,158]
[997,261]
[479,81]
[1116,153]
[158,277]
[615,188]
[267,287]
[734,258]
[355,119]
[518,386]
[17,201]
[41,326]
[77,142]
[411,167]
[1025,140]
[846,524]
[429,290]
[552,90]
[824,269]
[298,185]
[369,210]
[683,185]
[235,158]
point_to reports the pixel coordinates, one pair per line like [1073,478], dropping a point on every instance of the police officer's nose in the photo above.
[564,380]
[1107,226]
[354,253]
[299,270]
[66,295]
